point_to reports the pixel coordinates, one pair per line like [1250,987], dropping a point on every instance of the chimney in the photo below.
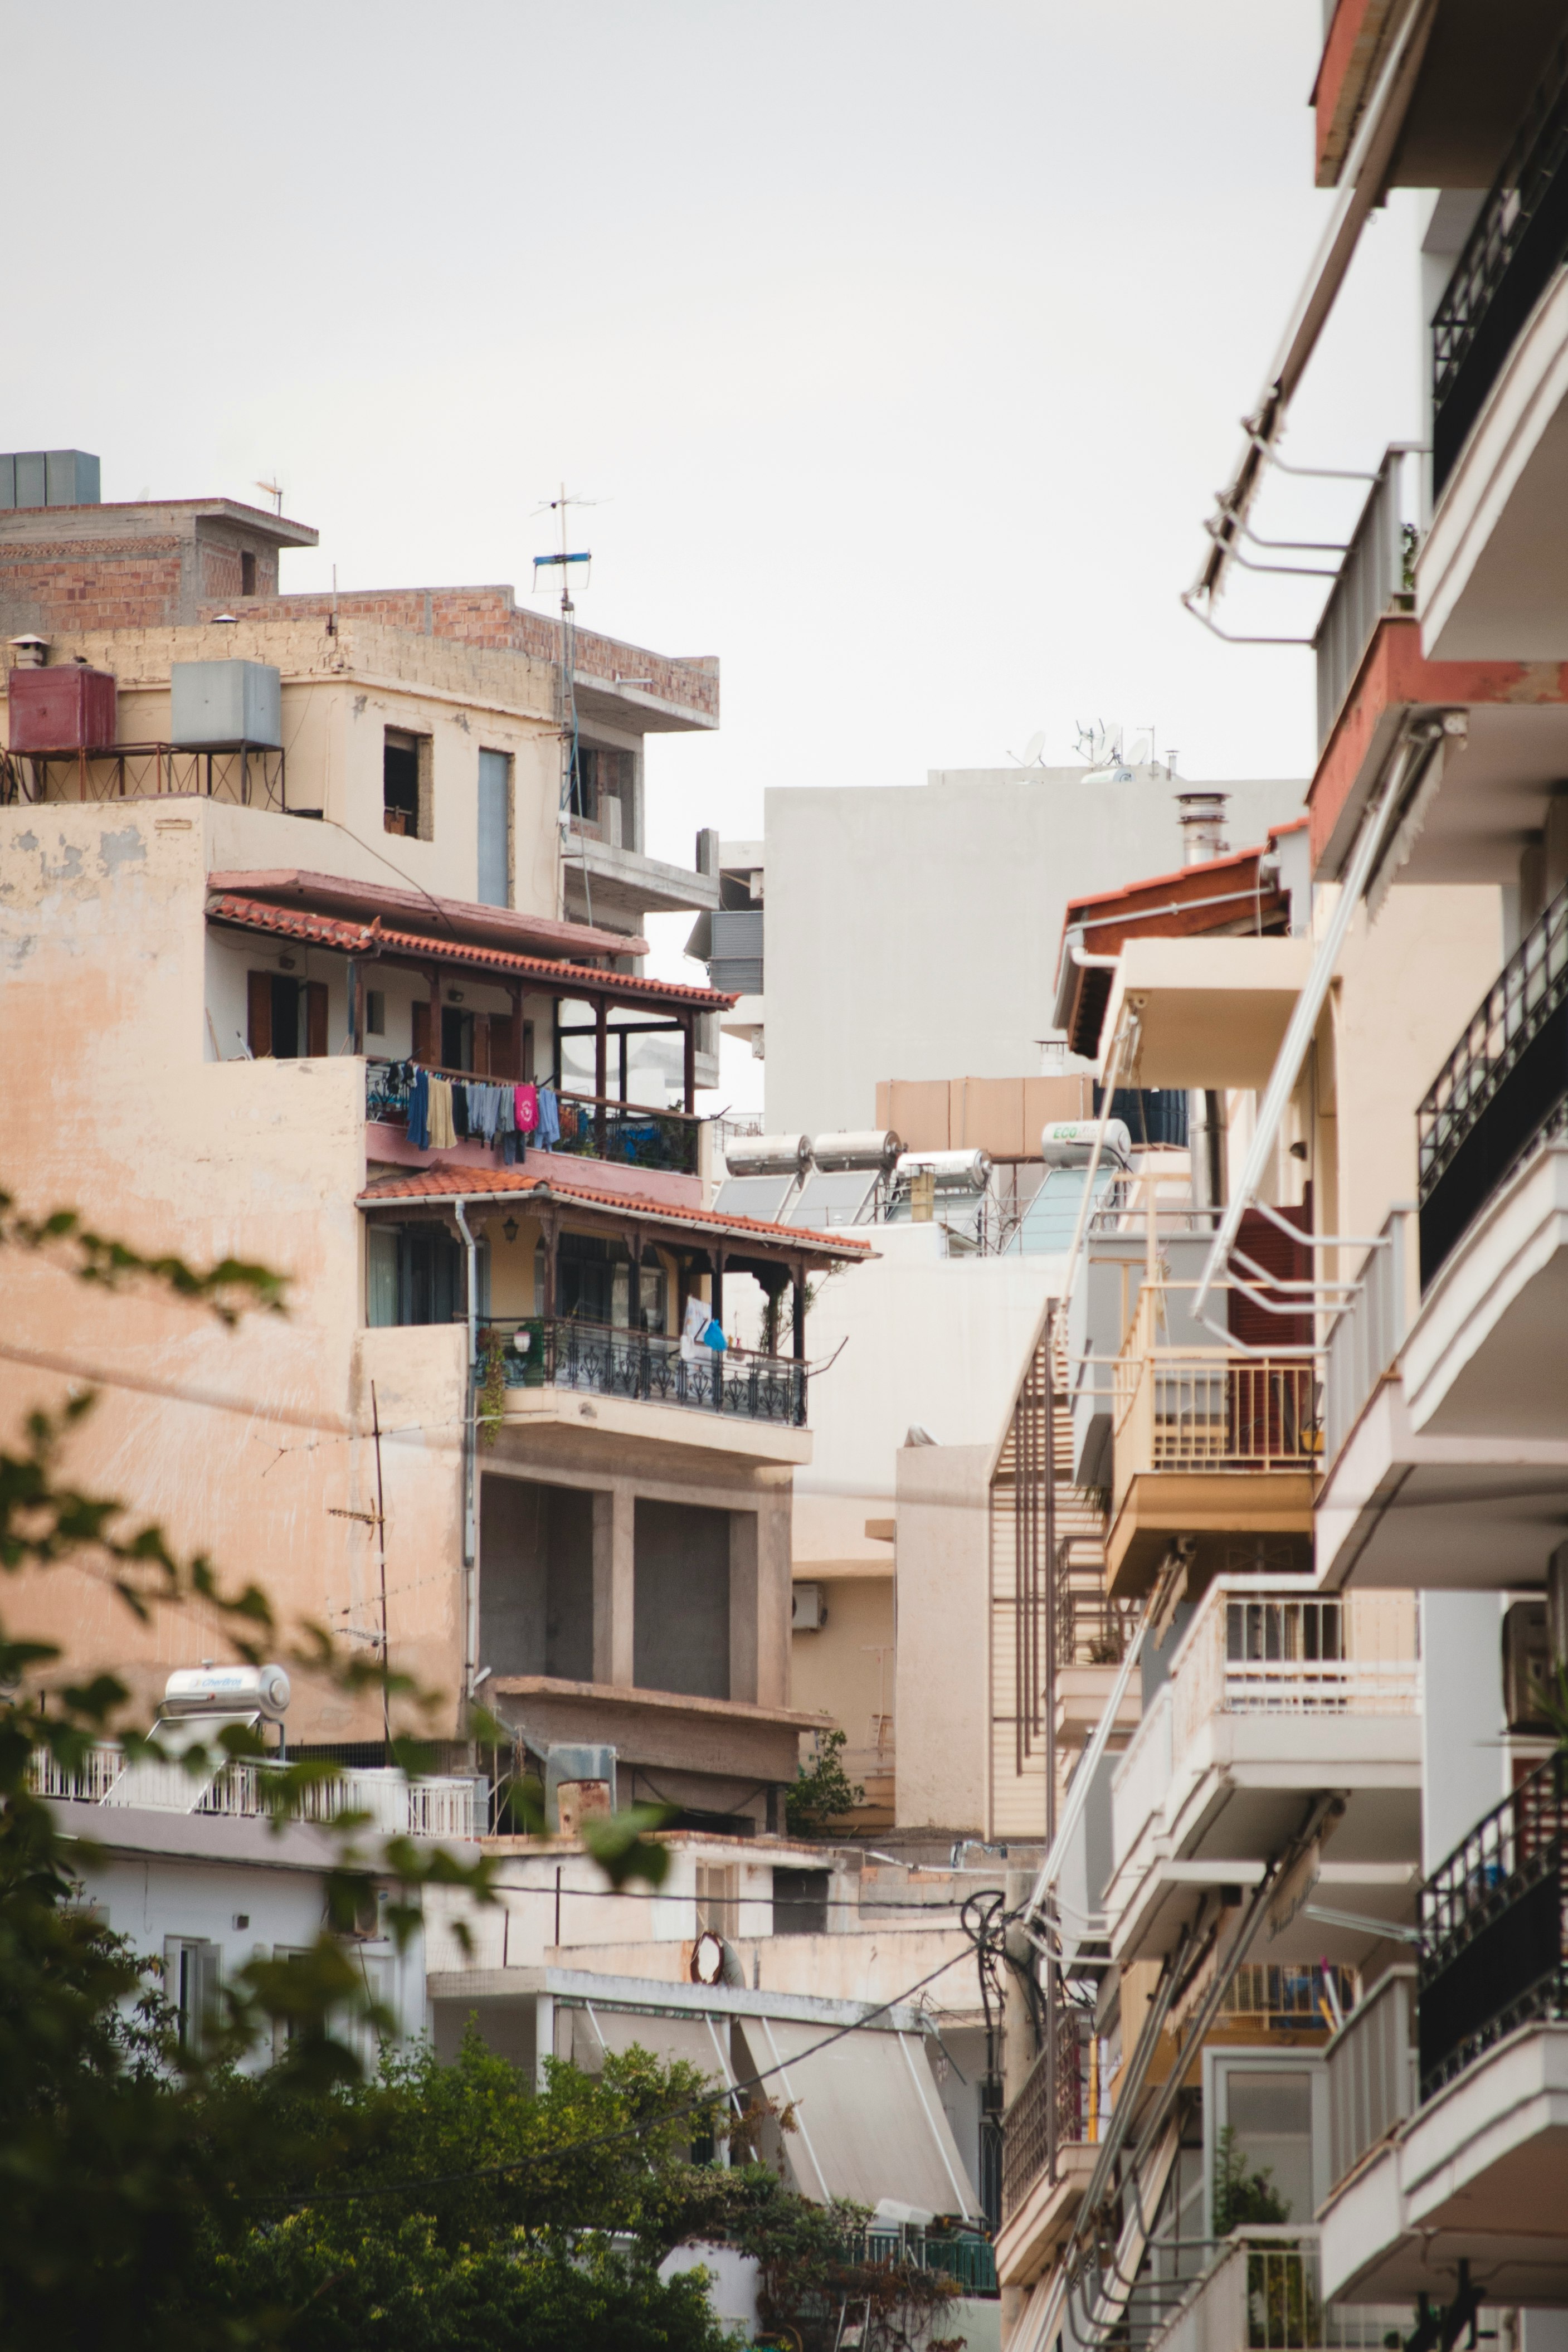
[1202,820]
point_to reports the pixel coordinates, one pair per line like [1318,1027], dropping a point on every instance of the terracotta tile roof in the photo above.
[423,912]
[446,1183]
[347,938]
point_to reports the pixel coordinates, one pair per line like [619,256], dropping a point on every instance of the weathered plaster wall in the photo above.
[113,1108]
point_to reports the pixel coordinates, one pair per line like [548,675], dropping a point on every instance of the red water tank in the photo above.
[70,709]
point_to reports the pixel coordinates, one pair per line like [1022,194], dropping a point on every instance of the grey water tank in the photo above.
[48,478]
[218,704]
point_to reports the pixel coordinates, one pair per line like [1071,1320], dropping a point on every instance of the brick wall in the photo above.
[121,584]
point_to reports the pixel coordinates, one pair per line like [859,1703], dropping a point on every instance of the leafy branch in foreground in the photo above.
[228,1288]
[823,1790]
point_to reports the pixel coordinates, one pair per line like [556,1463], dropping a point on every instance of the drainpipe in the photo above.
[470,1581]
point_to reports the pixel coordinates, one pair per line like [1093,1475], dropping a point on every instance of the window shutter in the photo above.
[315,1016]
[422,1031]
[259,1011]
[500,1064]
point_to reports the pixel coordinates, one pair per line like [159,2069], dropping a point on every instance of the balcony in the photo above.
[395,1806]
[1494,1955]
[1274,1692]
[626,1135]
[648,1367]
[1502,1091]
[1475,2172]
[1262,2292]
[1207,1443]
[1050,2131]
[1376,578]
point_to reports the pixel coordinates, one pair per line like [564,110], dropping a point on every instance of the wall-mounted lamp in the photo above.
[509,1229]
[454,996]
[285,963]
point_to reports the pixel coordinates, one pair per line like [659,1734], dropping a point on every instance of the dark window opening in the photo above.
[457,1039]
[376,1013]
[800,1901]
[536,1579]
[681,1604]
[405,779]
[594,1283]
[414,1274]
[601,791]
[247,574]
[287,1018]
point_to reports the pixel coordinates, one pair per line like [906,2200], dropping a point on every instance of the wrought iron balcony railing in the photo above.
[1519,239]
[648,1365]
[630,1134]
[1060,2103]
[1261,2292]
[1503,1090]
[1493,1953]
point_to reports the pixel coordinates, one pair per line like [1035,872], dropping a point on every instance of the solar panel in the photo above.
[834,1196]
[754,1196]
[1048,1224]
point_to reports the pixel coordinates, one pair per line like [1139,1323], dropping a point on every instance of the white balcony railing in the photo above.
[1261,2293]
[395,1807]
[1258,1649]
[1368,1333]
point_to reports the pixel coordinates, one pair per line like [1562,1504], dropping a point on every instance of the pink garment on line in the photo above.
[526,1109]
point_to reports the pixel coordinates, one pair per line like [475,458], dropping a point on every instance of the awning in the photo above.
[1361,186]
[597,2031]
[870,2123]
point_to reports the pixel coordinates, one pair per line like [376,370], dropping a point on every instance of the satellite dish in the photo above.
[1034,747]
[1141,747]
[707,1959]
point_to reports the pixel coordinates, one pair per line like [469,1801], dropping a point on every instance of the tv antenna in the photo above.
[275,491]
[570,566]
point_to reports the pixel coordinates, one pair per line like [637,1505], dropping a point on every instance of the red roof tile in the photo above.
[372,939]
[446,1183]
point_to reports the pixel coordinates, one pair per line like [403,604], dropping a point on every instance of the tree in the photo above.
[823,1791]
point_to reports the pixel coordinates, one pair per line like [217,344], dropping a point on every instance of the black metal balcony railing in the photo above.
[607,1360]
[1493,1952]
[628,1133]
[1027,2123]
[1502,1089]
[1518,241]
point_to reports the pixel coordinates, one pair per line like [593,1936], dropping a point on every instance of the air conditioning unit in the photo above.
[808,1608]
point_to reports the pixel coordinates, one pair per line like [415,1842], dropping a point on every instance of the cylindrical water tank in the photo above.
[1069,1143]
[861,1147]
[228,1690]
[767,1155]
[955,1172]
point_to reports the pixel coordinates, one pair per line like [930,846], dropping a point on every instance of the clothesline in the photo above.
[443,1111]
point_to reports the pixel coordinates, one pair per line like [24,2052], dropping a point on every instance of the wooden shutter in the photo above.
[421,1032]
[258,1013]
[500,1063]
[315,1016]
[1261,1240]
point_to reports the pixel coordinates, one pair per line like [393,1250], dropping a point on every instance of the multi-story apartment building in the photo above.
[312,929]
[1402,1112]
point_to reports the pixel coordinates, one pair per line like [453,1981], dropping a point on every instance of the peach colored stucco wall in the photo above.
[112,1108]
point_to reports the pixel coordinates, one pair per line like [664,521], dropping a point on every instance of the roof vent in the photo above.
[1202,820]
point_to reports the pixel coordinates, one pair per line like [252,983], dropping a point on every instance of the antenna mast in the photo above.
[567,700]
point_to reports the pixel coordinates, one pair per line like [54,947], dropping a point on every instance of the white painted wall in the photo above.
[912,931]
[1464,1755]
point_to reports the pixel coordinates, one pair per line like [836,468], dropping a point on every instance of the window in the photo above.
[494,884]
[1266,2116]
[800,1901]
[413,1274]
[376,1013]
[406,767]
[680,1599]
[287,1018]
[718,1900]
[536,1578]
[246,574]
[601,793]
[193,1979]
[594,1283]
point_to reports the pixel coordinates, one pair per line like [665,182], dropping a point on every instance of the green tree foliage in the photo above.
[823,1791]
[1242,2195]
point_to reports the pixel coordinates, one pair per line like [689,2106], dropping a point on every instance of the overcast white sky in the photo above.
[902,344]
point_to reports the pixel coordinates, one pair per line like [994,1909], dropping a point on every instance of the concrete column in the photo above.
[772,1522]
[744,1628]
[614,1586]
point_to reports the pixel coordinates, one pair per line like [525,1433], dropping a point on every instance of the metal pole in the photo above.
[1050,1741]
[381,1541]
